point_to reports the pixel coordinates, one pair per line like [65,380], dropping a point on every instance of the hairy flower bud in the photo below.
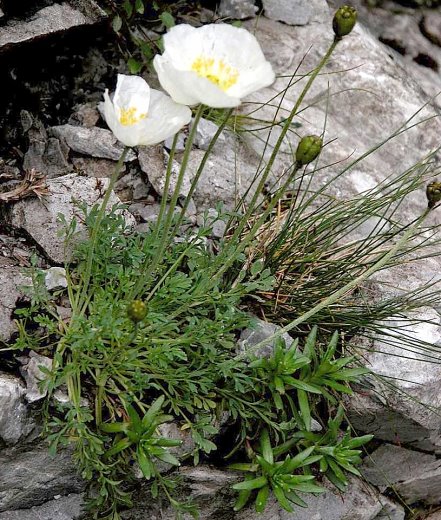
[308,149]
[344,21]
[137,311]
[433,192]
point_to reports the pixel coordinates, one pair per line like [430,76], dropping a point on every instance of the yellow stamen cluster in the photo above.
[216,71]
[128,116]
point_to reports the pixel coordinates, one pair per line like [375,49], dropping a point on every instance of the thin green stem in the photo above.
[150,264]
[94,237]
[225,260]
[201,167]
[383,260]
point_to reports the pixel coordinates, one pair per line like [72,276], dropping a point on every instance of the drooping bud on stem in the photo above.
[308,149]
[137,311]
[344,20]
[433,192]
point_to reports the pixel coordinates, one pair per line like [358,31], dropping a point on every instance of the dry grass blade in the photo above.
[33,185]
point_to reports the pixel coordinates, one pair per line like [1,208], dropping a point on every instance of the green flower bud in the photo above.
[308,149]
[344,21]
[137,311]
[433,192]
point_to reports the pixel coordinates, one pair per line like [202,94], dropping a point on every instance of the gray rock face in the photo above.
[45,154]
[412,39]
[40,219]
[69,507]
[415,476]
[94,141]
[296,12]
[11,279]
[14,420]
[361,502]
[204,134]
[52,19]
[237,9]
[32,477]
[358,123]
[390,510]
[153,162]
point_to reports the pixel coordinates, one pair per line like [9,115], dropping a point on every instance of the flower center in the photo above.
[216,71]
[129,116]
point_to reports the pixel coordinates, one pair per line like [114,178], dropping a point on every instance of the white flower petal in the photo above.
[253,80]
[165,119]
[162,118]
[188,88]
[216,64]
[132,92]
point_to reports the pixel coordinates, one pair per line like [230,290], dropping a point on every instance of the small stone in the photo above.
[260,331]
[33,376]
[296,12]
[238,9]
[211,218]
[153,162]
[204,134]
[14,418]
[55,279]
[97,168]
[86,115]
[95,142]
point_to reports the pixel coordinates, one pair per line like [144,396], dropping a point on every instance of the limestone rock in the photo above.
[358,123]
[259,331]
[40,219]
[153,162]
[45,154]
[51,19]
[237,9]
[31,476]
[33,376]
[55,279]
[11,280]
[94,141]
[95,167]
[68,507]
[390,510]
[14,419]
[415,476]
[205,132]
[360,502]
[296,12]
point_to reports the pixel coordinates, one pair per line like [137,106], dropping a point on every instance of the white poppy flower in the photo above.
[139,115]
[216,64]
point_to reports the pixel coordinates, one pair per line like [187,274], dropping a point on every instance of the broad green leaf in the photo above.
[242,499]
[167,19]
[121,445]
[265,446]
[304,408]
[262,498]
[255,483]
